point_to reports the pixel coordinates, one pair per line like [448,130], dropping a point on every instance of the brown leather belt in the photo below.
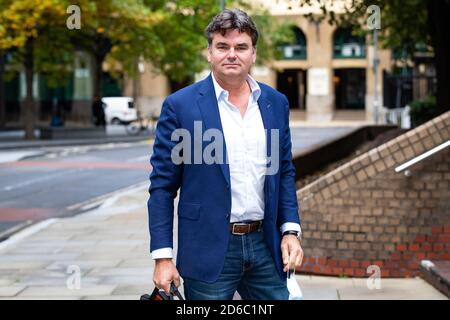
[241,228]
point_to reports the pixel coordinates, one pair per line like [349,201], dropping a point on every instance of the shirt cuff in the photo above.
[291,226]
[163,253]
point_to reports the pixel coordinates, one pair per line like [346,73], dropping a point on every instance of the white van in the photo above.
[119,110]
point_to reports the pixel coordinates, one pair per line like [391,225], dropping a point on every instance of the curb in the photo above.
[87,207]
[61,143]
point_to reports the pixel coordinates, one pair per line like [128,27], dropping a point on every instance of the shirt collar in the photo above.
[254,87]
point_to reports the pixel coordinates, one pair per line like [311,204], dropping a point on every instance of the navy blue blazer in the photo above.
[205,197]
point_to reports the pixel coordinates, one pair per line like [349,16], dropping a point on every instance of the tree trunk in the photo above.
[2,92]
[100,49]
[98,62]
[438,19]
[97,78]
[28,114]
[136,82]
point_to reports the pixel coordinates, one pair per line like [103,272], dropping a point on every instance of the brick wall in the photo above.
[364,213]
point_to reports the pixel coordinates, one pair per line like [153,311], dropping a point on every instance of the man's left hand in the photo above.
[292,252]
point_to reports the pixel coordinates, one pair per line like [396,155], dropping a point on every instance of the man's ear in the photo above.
[208,54]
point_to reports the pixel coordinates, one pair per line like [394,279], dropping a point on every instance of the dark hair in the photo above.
[230,19]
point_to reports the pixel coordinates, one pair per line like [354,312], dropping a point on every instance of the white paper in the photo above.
[295,293]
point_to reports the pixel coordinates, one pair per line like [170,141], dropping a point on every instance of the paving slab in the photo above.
[63,291]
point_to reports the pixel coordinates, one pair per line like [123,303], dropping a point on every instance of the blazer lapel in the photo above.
[266,115]
[267,118]
[209,109]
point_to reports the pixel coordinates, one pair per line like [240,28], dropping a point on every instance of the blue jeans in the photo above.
[249,269]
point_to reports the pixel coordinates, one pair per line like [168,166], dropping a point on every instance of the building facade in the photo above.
[325,72]
[70,101]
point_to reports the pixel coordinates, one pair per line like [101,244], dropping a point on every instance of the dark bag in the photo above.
[159,294]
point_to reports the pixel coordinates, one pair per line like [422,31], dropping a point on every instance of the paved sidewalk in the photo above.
[109,245]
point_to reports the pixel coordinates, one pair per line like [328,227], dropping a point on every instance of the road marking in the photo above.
[139,159]
[47,176]
[78,164]
[21,214]
[12,156]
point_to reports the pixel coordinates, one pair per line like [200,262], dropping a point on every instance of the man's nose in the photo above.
[231,54]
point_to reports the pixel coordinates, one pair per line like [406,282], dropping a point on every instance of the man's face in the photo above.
[231,55]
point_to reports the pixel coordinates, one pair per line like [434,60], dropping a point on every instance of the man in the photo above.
[98,112]
[238,223]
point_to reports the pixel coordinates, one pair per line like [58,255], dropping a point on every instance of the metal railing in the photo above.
[421,157]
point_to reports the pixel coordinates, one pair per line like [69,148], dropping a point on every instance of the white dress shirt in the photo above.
[245,141]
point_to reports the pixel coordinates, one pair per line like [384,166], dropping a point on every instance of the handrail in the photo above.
[423,156]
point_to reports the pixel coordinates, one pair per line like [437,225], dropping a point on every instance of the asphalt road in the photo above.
[47,185]
[51,181]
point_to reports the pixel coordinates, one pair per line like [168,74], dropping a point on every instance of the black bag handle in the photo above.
[174,291]
[158,294]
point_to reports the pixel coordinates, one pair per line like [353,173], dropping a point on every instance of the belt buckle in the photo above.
[239,233]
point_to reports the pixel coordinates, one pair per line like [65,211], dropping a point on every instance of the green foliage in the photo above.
[272,35]
[179,54]
[423,110]
[44,21]
[403,23]
[182,40]
[168,33]
[119,31]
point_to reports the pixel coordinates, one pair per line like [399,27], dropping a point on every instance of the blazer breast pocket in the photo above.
[190,211]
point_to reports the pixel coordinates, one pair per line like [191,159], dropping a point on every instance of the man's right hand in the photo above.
[165,273]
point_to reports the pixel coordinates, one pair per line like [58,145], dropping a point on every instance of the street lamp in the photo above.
[374,23]
[375,74]
[222,5]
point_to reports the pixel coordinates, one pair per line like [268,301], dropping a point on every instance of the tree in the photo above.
[120,29]
[438,17]
[403,25]
[272,33]
[182,40]
[33,29]
[2,91]
[180,34]
[43,43]
[2,71]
